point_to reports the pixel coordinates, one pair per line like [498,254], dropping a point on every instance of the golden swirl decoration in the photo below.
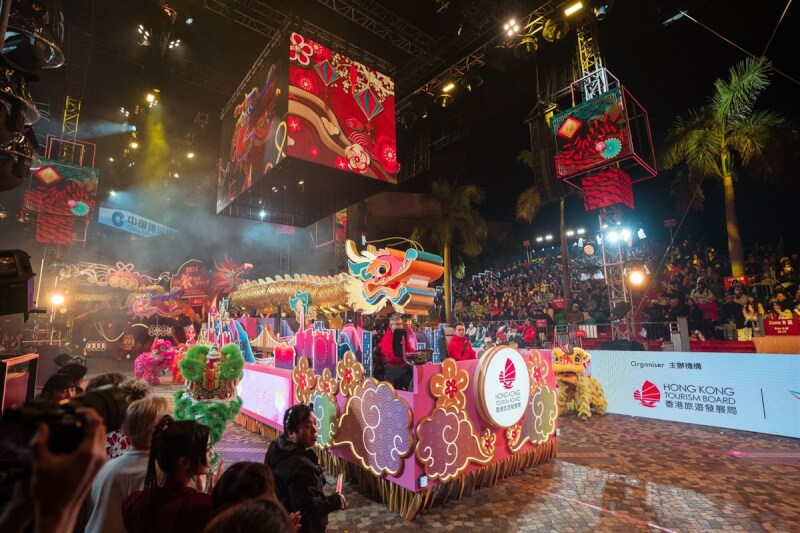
[304,380]
[280,140]
[448,387]
[538,369]
[327,384]
[350,373]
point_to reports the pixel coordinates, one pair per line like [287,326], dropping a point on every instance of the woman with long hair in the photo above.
[181,450]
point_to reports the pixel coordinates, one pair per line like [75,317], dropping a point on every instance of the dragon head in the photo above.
[402,278]
[569,363]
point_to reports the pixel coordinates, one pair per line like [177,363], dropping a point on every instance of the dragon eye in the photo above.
[381,270]
[578,359]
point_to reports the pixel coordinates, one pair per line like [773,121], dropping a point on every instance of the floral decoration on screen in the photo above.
[341,113]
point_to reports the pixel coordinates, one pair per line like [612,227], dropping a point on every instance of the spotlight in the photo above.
[636,277]
[449,86]
[612,236]
[134,145]
[189,21]
[573,8]
[301,182]
[111,159]
[472,79]
[641,234]
[113,193]
[150,98]
[443,99]
[581,231]
[262,214]
[548,237]
[420,103]
[511,27]
[554,30]
[526,47]
[570,233]
[190,155]
[176,175]
[56,299]
[539,239]
[625,234]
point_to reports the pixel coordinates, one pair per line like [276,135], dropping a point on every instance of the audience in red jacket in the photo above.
[460,348]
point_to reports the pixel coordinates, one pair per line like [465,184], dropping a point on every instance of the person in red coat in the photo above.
[460,348]
[528,333]
[396,370]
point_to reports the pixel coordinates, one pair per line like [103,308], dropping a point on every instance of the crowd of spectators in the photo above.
[697,284]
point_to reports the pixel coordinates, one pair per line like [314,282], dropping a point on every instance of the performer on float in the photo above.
[460,348]
[394,344]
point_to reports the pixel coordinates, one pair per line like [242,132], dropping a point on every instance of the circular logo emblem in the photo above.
[502,386]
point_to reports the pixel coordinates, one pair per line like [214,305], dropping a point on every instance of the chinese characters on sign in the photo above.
[781,326]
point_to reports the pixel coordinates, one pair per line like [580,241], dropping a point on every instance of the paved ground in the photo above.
[613,473]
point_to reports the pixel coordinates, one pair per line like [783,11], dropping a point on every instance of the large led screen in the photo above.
[341,113]
[254,135]
[591,134]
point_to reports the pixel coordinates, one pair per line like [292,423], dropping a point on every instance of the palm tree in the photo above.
[545,191]
[723,134]
[454,225]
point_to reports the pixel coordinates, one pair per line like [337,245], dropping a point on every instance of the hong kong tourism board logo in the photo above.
[508,375]
[648,394]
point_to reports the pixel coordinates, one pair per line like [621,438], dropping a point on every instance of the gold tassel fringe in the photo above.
[408,503]
[268,432]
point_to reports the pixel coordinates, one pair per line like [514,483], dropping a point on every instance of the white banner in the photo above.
[752,392]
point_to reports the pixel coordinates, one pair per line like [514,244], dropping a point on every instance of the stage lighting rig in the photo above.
[31,42]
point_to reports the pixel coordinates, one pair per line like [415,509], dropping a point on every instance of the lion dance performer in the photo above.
[577,391]
[209,395]
[149,365]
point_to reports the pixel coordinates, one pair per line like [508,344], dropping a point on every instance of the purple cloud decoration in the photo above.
[540,418]
[377,427]
[447,443]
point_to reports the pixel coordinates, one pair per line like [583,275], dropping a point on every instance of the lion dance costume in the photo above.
[577,391]
[209,395]
[149,365]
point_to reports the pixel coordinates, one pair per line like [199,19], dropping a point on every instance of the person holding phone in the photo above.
[299,478]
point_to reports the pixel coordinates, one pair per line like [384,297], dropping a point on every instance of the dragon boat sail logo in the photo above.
[648,395]
[508,375]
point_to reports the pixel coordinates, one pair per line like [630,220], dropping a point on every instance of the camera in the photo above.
[18,426]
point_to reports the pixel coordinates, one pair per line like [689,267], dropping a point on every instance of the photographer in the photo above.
[53,495]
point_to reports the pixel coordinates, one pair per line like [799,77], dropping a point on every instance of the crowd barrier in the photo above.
[728,390]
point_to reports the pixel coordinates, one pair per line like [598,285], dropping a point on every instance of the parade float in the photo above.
[461,426]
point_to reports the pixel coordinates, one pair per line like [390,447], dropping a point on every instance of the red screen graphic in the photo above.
[341,113]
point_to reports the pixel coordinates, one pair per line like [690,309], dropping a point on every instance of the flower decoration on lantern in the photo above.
[327,384]
[449,386]
[350,372]
[610,148]
[304,380]
[299,50]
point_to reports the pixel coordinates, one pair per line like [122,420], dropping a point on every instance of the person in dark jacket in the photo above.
[299,478]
